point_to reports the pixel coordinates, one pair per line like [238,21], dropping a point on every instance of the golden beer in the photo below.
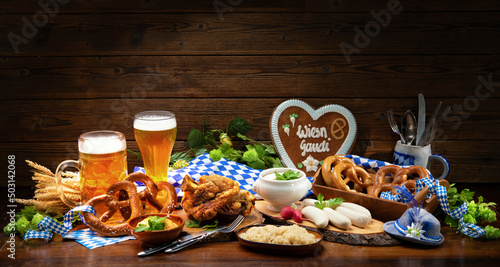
[99,171]
[155,133]
[102,162]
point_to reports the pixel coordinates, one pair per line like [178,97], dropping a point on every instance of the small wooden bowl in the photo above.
[157,237]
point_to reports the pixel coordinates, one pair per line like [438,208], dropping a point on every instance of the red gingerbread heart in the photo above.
[304,137]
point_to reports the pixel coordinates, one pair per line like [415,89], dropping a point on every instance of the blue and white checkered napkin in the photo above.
[468,229]
[87,238]
[203,165]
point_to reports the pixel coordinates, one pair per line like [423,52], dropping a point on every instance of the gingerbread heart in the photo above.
[304,137]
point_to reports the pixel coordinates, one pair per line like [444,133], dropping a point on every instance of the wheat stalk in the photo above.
[46,195]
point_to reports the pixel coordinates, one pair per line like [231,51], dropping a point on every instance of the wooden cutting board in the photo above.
[371,235]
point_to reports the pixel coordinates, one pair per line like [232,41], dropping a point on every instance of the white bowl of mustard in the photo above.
[281,193]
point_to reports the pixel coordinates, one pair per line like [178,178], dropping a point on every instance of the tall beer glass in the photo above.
[155,133]
[102,161]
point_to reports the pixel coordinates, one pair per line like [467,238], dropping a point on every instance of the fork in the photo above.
[225,230]
[394,126]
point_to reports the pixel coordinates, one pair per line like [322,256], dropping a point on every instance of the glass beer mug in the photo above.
[102,161]
[155,133]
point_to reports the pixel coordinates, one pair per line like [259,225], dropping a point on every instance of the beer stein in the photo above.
[155,133]
[102,161]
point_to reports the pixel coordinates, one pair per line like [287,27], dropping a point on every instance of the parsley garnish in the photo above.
[288,175]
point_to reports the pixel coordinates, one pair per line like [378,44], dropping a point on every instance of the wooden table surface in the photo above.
[456,250]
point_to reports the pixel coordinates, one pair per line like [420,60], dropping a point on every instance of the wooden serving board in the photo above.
[253,218]
[371,235]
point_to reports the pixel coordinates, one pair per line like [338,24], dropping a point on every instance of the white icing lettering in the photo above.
[311,132]
[314,147]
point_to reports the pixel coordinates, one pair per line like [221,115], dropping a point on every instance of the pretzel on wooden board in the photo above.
[338,171]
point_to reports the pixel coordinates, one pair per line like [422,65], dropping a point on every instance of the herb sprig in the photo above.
[330,203]
[288,175]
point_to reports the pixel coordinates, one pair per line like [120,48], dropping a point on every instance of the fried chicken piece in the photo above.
[214,195]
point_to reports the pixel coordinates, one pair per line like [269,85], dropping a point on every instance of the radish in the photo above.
[287,212]
[292,119]
[286,128]
[297,216]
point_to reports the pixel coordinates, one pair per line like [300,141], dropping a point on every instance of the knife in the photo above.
[178,246]
[427,133]
[421,117]
[179,241]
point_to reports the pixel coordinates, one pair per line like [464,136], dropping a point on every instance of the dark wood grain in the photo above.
[154,6]
[54,120]
[245,76]
[252,34]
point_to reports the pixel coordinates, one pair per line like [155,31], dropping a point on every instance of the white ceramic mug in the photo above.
[419,155]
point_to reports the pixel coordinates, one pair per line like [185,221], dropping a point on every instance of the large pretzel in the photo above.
[379,188]
[328,164]
[99,225]
[380,176]
[402,175]
[150,194]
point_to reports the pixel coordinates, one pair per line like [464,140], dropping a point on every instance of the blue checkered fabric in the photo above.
[468,229]
[86,237]
[203,165]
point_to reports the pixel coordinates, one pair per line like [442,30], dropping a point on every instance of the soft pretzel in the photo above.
[350,175]
[150,194]
[110,200]
[402,175]
[328,164]
[384,171]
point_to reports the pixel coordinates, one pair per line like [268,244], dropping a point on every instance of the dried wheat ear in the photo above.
[46,196]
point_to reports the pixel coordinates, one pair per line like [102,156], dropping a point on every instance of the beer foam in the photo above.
[102,145]
[155,123]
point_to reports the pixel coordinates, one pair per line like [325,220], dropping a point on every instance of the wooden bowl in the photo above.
[278,248]
[157,237]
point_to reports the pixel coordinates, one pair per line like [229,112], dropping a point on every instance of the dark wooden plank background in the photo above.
[94,64]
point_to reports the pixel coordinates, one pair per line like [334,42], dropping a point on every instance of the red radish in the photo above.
[287,212]
[297,216]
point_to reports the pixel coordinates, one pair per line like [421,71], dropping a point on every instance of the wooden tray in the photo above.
[371,235]
[381,209]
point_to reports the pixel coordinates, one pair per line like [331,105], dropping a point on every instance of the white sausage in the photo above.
[316,215]
[357,218]
[357,208]
[308,202]
[337,219]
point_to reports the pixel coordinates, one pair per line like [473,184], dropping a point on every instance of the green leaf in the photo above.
[270,149]
[211,226]
[141,228]
[260,150]
[288,175]
[179,156]
[192,223]
[258,164]
[238,125]
[201,151]
[196,139]
[210,139]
